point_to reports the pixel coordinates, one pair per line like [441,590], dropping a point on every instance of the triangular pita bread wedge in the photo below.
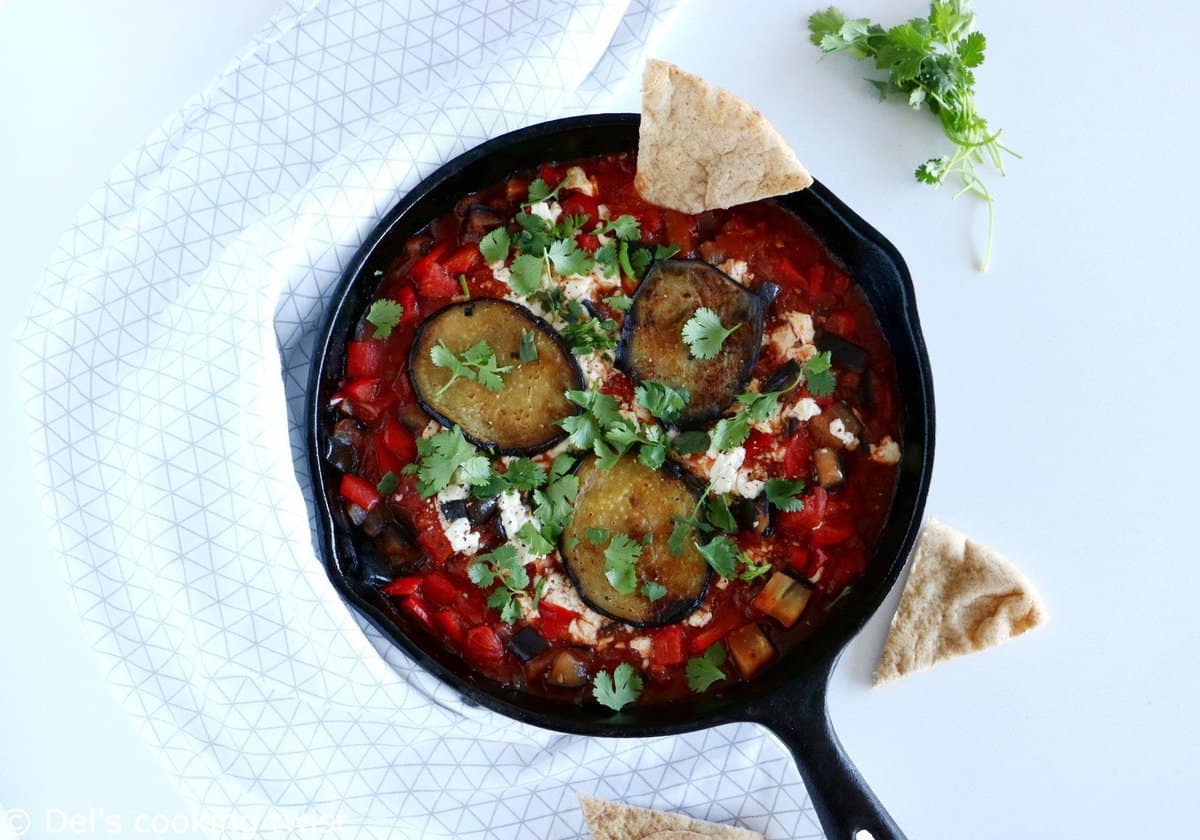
[617,821]
[701,148]
[960,597]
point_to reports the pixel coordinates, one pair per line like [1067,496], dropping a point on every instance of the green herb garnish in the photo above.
[528,350]
[620,563]
[704,333]
[703,671]
[653,590]
[476,364]
[443,455]
[387,484]
[385,314]
[619,689]
[502,566]
[930,62]
[494,246]
[818,374]
[663,401]
[784,493]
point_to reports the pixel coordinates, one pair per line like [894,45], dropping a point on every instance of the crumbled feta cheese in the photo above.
[793,338]
[580,287]
[548,210]
[838,429]
[642,645]
[887,451]
[501,272]
[597,366]
[602,212]
[727,476]
[806,409]
[513,517]
[458,531]
[699,618]
[561,592]
[724,470]
[431,429]
[577,179]
[739,270]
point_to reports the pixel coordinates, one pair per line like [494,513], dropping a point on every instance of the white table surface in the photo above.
[1065,382]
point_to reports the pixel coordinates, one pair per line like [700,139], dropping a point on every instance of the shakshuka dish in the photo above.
[612,452]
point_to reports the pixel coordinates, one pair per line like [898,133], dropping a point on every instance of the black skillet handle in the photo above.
[844,804]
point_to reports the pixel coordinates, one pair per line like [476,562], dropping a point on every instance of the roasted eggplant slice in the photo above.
[522,417]
[652,346]
[640,503]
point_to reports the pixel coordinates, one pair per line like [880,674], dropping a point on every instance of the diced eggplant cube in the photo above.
[527,643]
[750,649]
[566,671]
[842,353]
[454,509]
[752,514]
[783,598]
[480,511]
[829,468]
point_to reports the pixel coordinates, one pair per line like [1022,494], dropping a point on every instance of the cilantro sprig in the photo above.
[620,563]
[445,456]
[618,689]
[784,493]
[661,400]
[475,364]
[818,374]
[725,558]
[931,62]
[603,429]
[385,314]
[702,671]
[704,333]
[504,567]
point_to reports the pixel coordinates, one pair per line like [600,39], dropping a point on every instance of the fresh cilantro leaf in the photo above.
[475,471]
[931,62]
[703,671]
[476,364]
[524,474]
[569,258]
[568,226]
[692,442]
[494,485]
[639,260]
[533,540]
[653,450]
[719,515]
[525,274]
[722,554]
[751,571]
[653,590]
[511,612]
[704,333]
[606,257]
[528,350]
[620,563]
[731,431]
[665,252]
[784,493]
[590,335]
[624,227]
[385,314]
[502,566]
[596,536]
[494,246]
[679,533]
[818,375]
[555,503]
[621,303]
[535,235]
[387,484]
[619,689]
[623,259]
[663,401]
[481,574]
[539,589]
[539,190]
[439,457]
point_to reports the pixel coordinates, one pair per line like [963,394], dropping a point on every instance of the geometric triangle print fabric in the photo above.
[164,364]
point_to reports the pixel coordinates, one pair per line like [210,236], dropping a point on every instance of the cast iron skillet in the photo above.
[788,698]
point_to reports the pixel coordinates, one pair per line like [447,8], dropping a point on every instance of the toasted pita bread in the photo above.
[701,148]
[960,597]
[617,821]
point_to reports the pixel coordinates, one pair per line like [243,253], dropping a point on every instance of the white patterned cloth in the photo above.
[170,448]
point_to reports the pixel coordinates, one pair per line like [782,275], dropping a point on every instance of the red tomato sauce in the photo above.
[828,543]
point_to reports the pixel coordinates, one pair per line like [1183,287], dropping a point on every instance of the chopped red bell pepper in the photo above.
[359,492]
[414,606]
[452,625]
[796,457]
[365,358]
[433,279]
[834,528]
[482,646]
[463,260]
[841,322]
[440,589]
[400,441]
[363,391]
[587,242]
[716,630]
[669,647]
[554,620]
[412,310]
[403,586]
[578,204]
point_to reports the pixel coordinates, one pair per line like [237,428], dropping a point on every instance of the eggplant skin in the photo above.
[652,347]
[522,418]
[632,499]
